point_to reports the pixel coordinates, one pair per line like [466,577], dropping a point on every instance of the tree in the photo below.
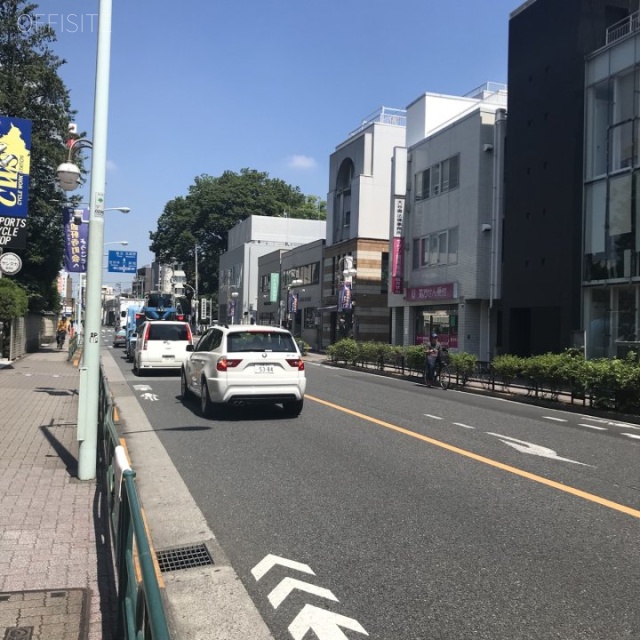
[30,88]
[13,300]
[214,205]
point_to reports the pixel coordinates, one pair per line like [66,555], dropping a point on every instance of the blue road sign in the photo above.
[123,261]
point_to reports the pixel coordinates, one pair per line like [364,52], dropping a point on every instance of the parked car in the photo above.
[161,344]
[120,338]
[244,364]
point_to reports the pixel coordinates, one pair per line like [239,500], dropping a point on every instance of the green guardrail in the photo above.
[73,347]
[140,611]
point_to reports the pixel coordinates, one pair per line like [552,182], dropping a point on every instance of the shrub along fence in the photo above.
[612,384]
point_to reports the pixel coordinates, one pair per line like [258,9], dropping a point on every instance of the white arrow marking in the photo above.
[271,561]
[631,435]
[612,424]
[592,426]
[534,449]
[466,426]
[277,596]
[556,419]
[325,624]
[428,415]
[142,387]
[150,396]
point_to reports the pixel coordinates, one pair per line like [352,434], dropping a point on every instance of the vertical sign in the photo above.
[15,162]
[397,256]
[293,302]
[274,287]
[345,302]
[76,242]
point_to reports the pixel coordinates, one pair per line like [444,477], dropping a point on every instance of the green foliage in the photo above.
[303,346]
[464,365]
[344,351]
[507,368]
[214,205]
[13,300]
[31,88]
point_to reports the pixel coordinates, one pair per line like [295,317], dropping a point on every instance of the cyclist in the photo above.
[61,331]
[433,354]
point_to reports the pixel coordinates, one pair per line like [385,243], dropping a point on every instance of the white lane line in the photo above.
[628,425]
[592,426]
[556,419]
[428,415]
[631,435]
[466,426]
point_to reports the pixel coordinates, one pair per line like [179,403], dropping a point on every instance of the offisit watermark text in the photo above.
[59,22]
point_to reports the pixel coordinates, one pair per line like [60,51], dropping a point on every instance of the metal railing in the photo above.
[140,611]
[621,29]
[383,115]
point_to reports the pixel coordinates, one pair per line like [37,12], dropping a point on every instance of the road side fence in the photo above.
[22,335]
[140,611]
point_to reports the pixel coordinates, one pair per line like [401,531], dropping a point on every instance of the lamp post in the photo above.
[345,305]
[69,177]
[293,280]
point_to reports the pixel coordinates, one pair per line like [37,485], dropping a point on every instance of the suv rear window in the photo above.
[260,341]
[168,332]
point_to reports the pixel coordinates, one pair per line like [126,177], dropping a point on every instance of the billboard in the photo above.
[76,242]
[15,164]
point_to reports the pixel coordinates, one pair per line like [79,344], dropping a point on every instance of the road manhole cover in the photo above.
[51,614]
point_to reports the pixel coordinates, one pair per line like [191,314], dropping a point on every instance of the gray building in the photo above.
[611,201]
[445,224]
[249,240]
[355,303]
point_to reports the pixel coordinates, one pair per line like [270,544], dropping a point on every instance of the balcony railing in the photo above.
[621,29]
[383,115]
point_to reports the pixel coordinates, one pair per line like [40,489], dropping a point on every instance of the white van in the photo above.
[161,344]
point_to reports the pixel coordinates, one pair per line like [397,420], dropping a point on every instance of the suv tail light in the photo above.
[145,337]
[298,362]
[180,317]
[225,363]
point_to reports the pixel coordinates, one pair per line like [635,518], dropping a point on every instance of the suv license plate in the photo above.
[168,357]
[263,368]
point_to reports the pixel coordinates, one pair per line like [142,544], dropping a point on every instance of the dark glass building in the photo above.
[544,176]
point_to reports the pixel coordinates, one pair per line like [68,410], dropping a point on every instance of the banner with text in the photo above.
[274,287]
[13,233]
[76,242]
[15,163]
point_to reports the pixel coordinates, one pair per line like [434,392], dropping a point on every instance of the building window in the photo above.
[415,254]
[384,273]
[437,179]
[436,249]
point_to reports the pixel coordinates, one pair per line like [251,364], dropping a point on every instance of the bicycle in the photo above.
[60,338]
[442,376]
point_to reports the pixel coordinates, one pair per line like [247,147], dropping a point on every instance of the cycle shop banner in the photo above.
[15,164]
[76,241]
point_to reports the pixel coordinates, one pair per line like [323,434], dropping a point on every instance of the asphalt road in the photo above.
[395,511]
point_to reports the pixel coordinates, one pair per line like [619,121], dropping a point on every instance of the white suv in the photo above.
[161,344]
[245,364]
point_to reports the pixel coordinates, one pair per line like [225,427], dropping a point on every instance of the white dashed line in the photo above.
[428,415]
[556,419]
[631,435]
[466,426]
[592,426]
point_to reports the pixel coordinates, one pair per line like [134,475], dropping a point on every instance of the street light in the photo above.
[69,177]
[293,280]
[345,304]
[124,243]
[77,213]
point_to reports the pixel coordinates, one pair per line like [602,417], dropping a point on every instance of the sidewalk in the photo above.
[56,573]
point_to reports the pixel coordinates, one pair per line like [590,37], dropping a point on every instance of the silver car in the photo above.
[245,364]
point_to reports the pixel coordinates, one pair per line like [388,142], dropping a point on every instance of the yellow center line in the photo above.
[635,513]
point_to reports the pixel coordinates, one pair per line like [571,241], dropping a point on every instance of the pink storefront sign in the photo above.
[446,291]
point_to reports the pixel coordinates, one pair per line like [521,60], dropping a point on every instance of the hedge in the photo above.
[605,383]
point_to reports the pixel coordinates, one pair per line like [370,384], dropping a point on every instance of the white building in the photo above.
[446,221]
[247,242]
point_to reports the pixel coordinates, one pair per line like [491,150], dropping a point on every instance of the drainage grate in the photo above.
[184,558]
[19,633]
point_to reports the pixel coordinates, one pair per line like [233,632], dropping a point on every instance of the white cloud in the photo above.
[302,162]
[111,165]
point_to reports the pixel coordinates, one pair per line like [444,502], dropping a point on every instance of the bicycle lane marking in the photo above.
[590,497]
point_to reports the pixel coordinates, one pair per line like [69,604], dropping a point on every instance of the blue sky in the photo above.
[274,85]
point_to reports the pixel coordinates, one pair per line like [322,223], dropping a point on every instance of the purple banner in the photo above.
[446,291]
[345,301]
[76,241]
[293,302]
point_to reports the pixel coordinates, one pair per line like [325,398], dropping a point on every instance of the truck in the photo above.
[155,306]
